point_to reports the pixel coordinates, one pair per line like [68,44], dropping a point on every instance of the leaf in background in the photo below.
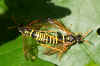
[3,7]
[84,16]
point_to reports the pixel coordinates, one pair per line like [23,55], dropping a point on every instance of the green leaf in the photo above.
[3,7]
[84,16]
[11,54]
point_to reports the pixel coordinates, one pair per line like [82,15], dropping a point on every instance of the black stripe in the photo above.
[59,36]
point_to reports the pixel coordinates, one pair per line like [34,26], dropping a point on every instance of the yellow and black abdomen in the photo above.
[45,37]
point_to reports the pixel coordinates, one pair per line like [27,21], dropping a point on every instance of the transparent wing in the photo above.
[59,25]
[30,48]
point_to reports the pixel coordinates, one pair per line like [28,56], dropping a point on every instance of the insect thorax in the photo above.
[79,38]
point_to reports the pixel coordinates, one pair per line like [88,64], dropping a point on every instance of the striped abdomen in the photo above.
[45,37]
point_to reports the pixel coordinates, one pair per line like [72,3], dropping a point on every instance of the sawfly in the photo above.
[55,41]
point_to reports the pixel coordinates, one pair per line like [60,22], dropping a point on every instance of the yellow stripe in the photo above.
[37,35]
[42,36]
[67,38]
[26,32]
[46,38]
[31,33]
[56,40]
[63,39]
[50,39]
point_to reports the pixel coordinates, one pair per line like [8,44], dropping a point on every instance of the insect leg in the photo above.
[86,33]
[53,48]
[64,49]
[61,53]
[33,22]
[86,41]
[37,24]
[49,51]
[14,20]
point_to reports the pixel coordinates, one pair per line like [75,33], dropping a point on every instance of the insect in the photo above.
[55,41]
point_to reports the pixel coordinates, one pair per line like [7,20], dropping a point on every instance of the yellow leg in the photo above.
[64,49]
[86,33]
[61,53]
[53,48]
[14,20]
[33,22]
[67,44]
[50,52]
[86,41]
